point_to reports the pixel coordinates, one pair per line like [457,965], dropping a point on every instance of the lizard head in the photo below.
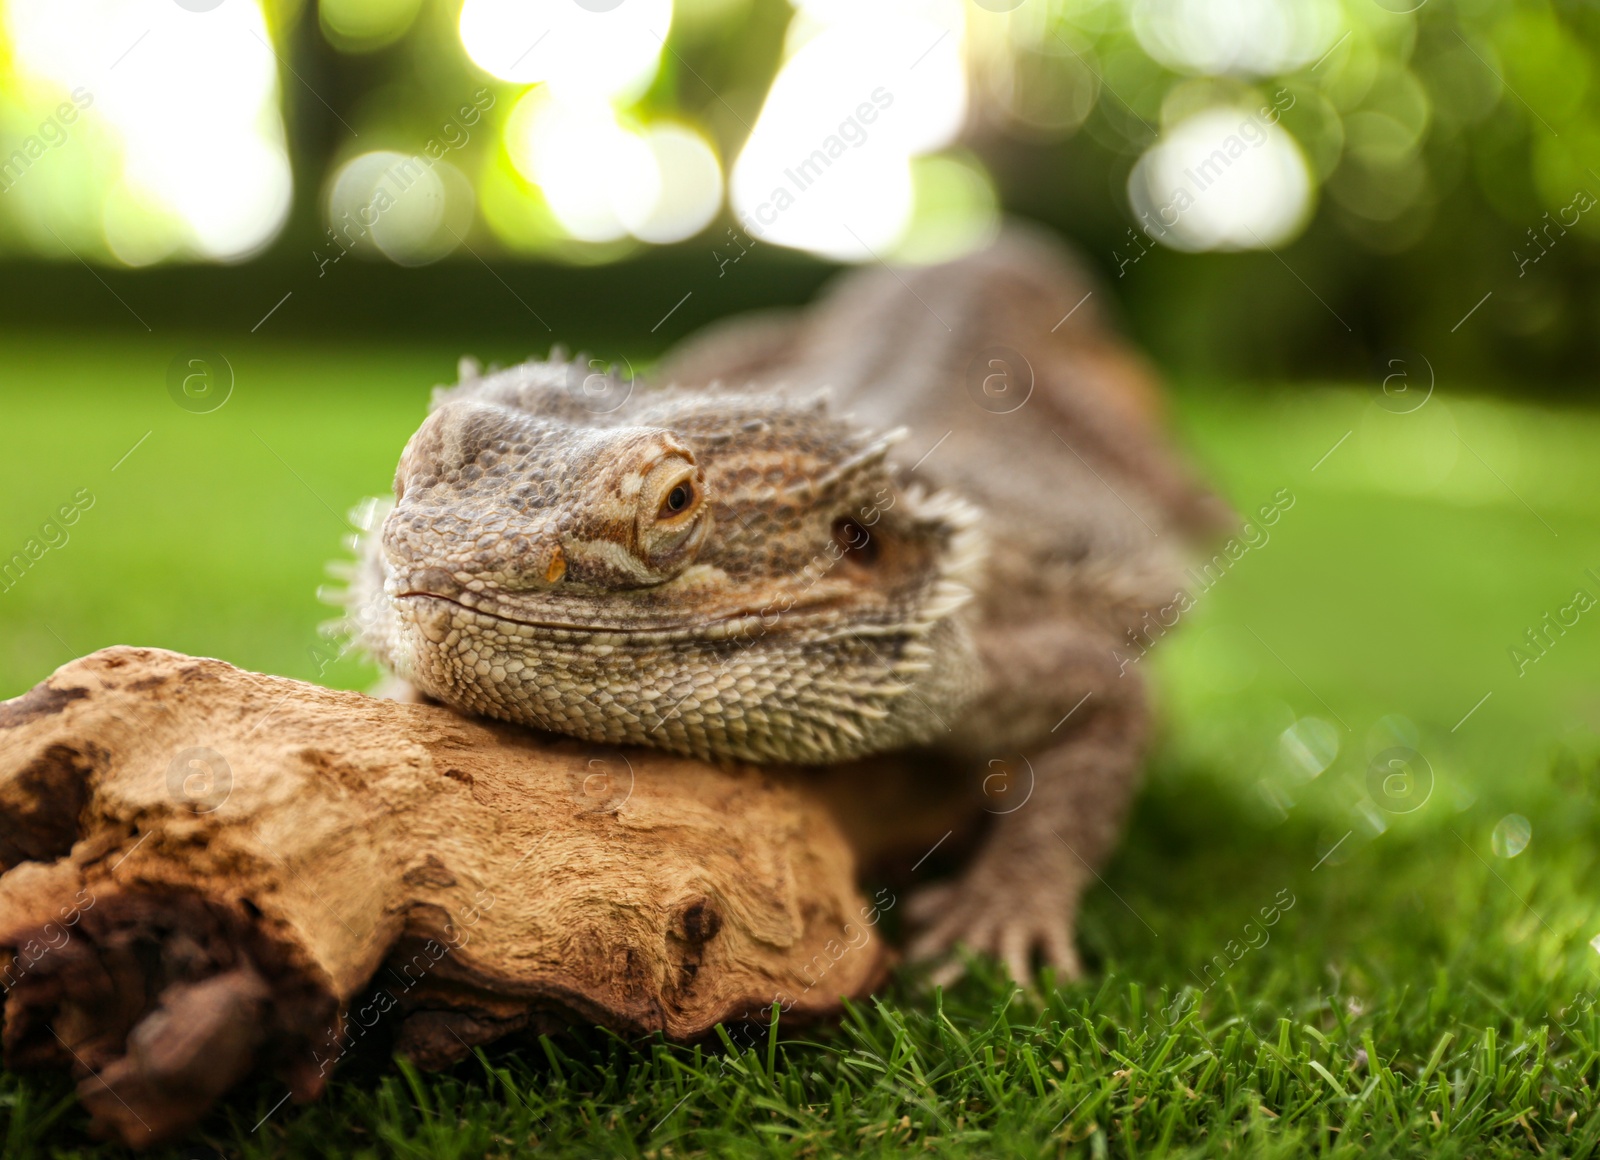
[722,574]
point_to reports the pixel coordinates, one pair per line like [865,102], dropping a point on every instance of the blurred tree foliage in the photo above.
[1453,146]
[1456,146]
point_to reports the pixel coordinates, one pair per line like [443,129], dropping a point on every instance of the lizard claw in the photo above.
[1006,927]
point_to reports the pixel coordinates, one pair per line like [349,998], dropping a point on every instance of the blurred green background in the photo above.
[1442,924]
[177,166]
[247,239]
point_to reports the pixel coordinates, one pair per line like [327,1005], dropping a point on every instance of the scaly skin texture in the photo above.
[958,550]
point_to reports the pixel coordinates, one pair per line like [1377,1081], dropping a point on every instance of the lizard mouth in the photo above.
[727,625]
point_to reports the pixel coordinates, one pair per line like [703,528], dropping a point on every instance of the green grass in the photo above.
[1429,991]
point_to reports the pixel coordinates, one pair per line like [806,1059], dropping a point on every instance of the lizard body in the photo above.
[914,561]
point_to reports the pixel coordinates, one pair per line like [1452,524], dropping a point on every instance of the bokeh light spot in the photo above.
[410,209]
[577,49]
[687,190]
[955,210]
[187,122]
[593,173]
[1309,745]
[1511,836]
[827,167]
[1245,37]
[1224,179]
[364,25]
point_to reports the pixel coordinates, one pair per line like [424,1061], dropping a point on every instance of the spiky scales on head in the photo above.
[722,573]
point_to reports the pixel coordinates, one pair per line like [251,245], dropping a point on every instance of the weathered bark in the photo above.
[204,867]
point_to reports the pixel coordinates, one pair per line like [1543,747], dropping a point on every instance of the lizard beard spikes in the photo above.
[816,619]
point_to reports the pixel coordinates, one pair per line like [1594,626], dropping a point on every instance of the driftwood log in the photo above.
[209,871]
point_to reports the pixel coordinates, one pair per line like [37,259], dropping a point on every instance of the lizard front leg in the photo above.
[1020,894]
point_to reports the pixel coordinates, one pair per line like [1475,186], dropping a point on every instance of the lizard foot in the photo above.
[996,919]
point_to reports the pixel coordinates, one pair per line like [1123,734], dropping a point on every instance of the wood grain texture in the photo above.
[209,871]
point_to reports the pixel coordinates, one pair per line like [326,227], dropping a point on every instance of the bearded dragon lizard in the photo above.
[934,513]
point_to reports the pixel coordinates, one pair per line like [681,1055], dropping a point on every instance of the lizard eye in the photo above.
[673,517]
[679,498]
